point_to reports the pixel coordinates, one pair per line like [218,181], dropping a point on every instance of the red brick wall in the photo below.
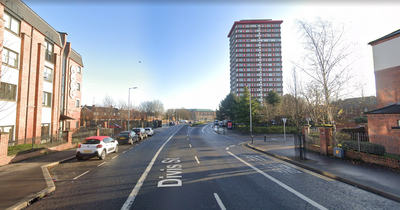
[387,86]
[381,124]
[369,158]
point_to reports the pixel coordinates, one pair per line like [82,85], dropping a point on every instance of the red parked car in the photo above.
[115,126]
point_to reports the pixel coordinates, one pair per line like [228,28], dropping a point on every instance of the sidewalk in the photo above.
[379,180]
[24,182]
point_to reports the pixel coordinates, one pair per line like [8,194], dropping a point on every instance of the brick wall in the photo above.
[369,158]
[387,86]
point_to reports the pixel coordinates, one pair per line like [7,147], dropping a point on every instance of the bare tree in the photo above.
[158,108]
[293,106]
[324,57]
[169,114]
[109,108]
[147,107]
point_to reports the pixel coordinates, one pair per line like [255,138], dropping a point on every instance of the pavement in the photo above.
[27,181]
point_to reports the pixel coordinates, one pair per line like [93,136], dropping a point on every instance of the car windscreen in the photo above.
[147,129]
[91,141]
[136,130]
[124,134]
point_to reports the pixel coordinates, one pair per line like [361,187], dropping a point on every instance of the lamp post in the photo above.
[251,123]
[284,128]
[129,104]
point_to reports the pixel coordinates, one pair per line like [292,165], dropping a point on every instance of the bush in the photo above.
[199,123]
[361,120]
[366,147]
[275,129]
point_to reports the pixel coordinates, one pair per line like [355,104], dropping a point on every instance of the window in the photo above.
[45,129]
[79,70]
[77,103]
[11,23]
[48,74]
[77,124]
[9,130]
[78,86]
[46,99]
[10,58]
[49,51]
[8,91]
[67,126]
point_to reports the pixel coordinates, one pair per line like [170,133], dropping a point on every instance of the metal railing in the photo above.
[27,145]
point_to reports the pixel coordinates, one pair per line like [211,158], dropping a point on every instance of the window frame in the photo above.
[7,56]
[9,25]
[4,93]
[77,103]
[49,95]
[51,74]
[10,131]
[43,128]
[49,56]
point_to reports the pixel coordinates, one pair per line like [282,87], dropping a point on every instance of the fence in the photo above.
[31,144]
[26,145]
[390,143]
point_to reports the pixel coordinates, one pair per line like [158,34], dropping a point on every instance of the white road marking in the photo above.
[101,164]
[305,198]
[81,175]
[124,151]
[230,147]
[197,160]
[114,157]
[135,191]
[221,205]
[190,145]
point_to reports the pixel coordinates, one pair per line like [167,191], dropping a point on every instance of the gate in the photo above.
[300,147]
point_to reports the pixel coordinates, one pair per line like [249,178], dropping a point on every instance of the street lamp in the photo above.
[129,104]
[284,128]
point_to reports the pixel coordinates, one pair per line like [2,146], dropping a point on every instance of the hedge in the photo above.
[268,129]
[365,147]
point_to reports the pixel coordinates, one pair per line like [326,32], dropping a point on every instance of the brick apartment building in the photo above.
[41,75]
[385,121]
[256,57]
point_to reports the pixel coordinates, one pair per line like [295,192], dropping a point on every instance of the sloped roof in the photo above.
[385,37]
[390,109]
[20,10]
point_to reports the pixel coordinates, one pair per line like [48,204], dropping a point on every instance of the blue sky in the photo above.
[183,46]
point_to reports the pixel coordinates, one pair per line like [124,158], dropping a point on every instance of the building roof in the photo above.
[200,110]
[390,109]
[385,37]
[259,21]
[20,10]
[76,57]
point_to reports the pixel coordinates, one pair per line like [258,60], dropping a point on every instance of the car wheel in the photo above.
[116,149]
[103,155]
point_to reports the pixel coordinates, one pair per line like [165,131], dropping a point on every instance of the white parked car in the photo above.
[96,146]
[149,131]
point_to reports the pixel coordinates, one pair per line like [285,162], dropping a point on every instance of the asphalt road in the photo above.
[187,167]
